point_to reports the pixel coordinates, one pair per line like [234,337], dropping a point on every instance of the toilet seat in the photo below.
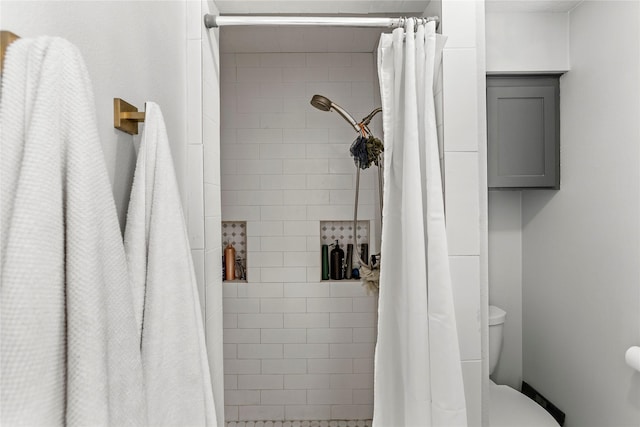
[511,408]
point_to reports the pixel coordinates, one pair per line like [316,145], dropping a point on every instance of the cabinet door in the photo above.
[523,132]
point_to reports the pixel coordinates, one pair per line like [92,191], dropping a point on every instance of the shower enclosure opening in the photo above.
[297,347]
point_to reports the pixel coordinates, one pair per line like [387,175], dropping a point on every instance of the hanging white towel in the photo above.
[174,357]
[68,338]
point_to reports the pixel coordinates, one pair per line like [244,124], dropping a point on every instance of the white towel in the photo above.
[68,338]
[174,357]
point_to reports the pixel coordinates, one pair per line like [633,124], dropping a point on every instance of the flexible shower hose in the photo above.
[369,273]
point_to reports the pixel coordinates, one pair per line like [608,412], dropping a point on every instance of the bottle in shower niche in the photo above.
[364,253]
[325,262]
[230,262]
[337,261]
[348,263]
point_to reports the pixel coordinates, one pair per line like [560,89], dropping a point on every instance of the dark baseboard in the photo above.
[552,409]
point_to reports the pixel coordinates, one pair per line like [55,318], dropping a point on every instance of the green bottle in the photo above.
[325,262]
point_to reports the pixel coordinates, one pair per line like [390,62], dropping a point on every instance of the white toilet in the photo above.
[509,407]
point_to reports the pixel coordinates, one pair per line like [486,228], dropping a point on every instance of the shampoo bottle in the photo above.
[337,260]
[364,253]
[348,262]
[325,262]
[230,262]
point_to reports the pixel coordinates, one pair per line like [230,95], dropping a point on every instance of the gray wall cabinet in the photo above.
[523,131]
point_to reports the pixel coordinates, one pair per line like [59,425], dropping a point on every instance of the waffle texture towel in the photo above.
[68,338]
[174,358]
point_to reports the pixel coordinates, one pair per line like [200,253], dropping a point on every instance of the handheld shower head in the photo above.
[321,103]
[324,104]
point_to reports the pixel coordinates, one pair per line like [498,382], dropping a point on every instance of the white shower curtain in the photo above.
[418,377]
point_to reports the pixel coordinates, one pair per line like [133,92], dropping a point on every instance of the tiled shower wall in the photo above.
[295,347]
[466,191]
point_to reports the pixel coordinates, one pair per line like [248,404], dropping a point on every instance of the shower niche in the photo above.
[348,240]
[234,236]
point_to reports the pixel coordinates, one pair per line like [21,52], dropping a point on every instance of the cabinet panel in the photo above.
[523,132]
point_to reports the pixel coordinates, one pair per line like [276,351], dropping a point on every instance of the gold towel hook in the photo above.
[6,38]
[126,117]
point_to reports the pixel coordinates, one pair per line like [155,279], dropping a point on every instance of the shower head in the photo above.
[321,103]
[324,104]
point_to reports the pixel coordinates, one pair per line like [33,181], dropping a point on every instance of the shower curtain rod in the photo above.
[214,21]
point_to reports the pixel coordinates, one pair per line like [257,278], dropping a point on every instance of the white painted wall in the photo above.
[517,43]
[581,244]
[527,42]
[505,279]
[134,51]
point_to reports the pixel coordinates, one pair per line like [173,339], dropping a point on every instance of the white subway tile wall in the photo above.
[286,348]
[295,348]
[460,105]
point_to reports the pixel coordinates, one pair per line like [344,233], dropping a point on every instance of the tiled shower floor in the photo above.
[324,423]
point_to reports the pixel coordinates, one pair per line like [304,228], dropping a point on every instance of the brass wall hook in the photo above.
[126,117]
[6,38]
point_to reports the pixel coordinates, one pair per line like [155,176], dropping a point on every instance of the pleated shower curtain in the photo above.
[418,376]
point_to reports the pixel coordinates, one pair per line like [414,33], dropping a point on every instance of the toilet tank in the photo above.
[497,317]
